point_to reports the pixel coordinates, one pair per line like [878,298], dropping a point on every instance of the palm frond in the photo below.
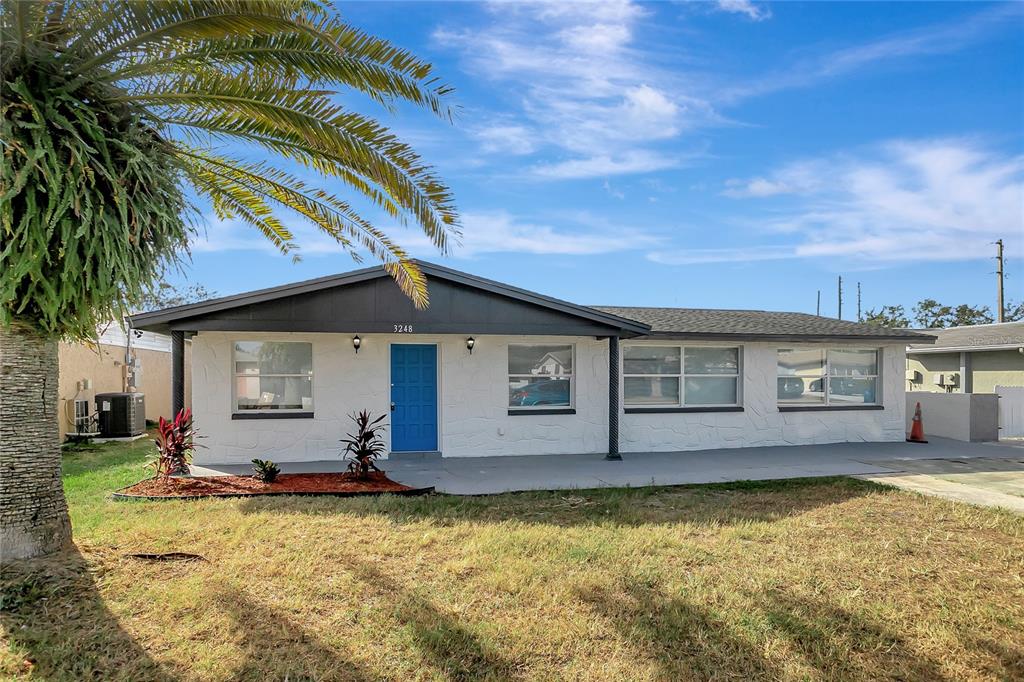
[111,106]
[370,65]
[334,216]
[121,29]
[307,117]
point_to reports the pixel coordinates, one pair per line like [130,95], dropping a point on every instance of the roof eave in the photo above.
[738,336]
[965,349]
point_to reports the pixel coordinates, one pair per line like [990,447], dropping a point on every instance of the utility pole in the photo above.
[818,310]
[999,274]
[858,302]
[840,297]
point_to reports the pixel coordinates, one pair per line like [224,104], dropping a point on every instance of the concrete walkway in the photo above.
[985,481]
[873,461]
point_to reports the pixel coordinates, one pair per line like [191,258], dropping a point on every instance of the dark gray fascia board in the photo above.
[787,338]
[164,319]
[203,325]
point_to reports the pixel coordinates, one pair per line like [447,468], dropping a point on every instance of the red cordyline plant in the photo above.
[365,445]
[174,443]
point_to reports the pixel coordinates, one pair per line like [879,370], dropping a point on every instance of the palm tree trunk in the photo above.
[33,512]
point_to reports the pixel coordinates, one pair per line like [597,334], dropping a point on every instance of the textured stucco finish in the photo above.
[473,399]
[761,423]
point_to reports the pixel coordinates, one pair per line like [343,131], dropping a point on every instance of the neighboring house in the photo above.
[491,369]
[972,359]
[111,366]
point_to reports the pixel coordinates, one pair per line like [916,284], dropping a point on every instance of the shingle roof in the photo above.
[756,324]
[976,337]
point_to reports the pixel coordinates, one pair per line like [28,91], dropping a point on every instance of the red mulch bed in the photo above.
[286,484]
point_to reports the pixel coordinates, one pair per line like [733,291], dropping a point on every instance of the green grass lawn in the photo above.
[814,579]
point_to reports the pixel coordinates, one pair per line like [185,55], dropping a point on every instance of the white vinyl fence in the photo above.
[1011,411]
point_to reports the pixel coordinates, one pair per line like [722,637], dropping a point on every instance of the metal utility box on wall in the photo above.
[121,414]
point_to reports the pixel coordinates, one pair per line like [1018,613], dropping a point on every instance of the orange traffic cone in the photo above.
[917,428]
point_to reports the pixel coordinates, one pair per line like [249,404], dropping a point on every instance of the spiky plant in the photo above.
[112,110]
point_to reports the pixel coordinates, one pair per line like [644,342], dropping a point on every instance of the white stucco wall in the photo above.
[473,400]
[761,423]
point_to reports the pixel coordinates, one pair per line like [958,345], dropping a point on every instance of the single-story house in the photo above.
[972,359]
[492,369]
[115,363]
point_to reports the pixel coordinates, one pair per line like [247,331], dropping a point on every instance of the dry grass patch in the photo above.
[824,579]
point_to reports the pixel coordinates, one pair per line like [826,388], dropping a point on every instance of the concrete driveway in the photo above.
[986,481]
[972,472]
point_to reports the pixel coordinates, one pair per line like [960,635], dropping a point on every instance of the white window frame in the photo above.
[826,379]
[252,411]
[571,375]
[682,376]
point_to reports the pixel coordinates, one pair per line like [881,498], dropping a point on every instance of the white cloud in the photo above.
[580,234]
[795,178]
[940,38]
[582,83]
[484,232]
[904,201]
[506,139]
[628,163]
[612,191]
[737,255]
[757,187]
[752,11]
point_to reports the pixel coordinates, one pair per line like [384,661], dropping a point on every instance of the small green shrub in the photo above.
[265,470]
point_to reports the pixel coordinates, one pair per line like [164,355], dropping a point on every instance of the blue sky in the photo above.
[725,154]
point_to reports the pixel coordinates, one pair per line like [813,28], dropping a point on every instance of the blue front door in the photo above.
[413,398]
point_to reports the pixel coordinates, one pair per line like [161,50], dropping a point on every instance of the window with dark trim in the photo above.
[540,376]
[680,376]
[272,376]
[828,377]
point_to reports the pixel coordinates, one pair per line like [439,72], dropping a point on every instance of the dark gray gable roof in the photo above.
[164,320]
[977,337]
[697,323]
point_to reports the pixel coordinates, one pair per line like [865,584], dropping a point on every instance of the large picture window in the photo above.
[828,376]
[680,376]
[540,376]
[273,375]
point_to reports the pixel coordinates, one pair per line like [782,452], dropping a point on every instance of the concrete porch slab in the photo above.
[488,475]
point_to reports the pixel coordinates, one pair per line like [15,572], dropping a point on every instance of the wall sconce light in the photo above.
[356,342]
[470,342]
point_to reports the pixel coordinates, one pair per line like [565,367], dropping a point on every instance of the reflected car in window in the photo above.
[790,387]
[546,392]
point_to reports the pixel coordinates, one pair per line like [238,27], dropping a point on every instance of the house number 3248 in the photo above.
[403,329]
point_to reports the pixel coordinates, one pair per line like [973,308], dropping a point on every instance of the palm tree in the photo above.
[112,110]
